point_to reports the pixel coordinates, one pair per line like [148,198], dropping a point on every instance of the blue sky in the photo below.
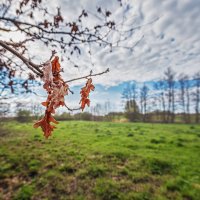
[172,40]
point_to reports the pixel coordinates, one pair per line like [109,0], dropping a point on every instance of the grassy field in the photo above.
[90,160]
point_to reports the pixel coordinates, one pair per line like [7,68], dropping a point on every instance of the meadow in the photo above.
[100,160]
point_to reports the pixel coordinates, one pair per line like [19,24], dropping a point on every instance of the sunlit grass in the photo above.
[100,160]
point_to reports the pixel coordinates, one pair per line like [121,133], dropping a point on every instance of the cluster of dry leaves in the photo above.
[57,89]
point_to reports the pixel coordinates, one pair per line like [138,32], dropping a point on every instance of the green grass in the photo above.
[103,161]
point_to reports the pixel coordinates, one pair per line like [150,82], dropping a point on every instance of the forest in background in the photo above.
[173,99]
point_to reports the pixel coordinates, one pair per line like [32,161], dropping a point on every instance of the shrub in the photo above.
[24,116]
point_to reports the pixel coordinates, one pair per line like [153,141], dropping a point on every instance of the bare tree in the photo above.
[126,95]
[170,82]
[196,95]
[160,87]
[188,99]
[129,94]
[4,108]
[143,99]
[134,93]
[185,96]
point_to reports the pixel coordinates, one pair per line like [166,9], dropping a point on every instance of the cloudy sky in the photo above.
[171,41]
[169,37]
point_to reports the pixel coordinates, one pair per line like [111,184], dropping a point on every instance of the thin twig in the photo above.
[30,65]
[70,91]
[72,109]
[5,29]
[90,75]
[53,54]
[19,44]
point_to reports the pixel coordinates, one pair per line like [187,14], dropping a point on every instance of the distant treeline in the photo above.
[25,116]
[155,117]
[174,98]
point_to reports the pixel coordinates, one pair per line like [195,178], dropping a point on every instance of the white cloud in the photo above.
[172,41]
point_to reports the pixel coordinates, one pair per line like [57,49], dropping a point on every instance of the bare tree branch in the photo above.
[87,76]
[72,109]
[30,65]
